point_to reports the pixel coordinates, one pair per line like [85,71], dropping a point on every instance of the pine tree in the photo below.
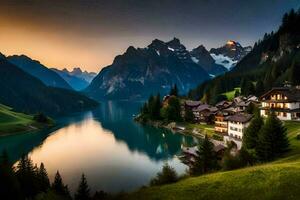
[167,175]
[9,185]
[83,191]
[206,159]
[174,91]
[173,110]
[273,139]
[157,106]
[189,116]
[59,187]
[237,93]
[27,176]
[250,137]
[43,178]
[295,73]
[259,88]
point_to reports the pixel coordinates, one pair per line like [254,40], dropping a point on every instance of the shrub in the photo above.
[166,176]
[217,137]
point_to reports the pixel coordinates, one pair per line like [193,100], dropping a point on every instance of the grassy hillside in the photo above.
[277,180]
[13,122]
[230,94]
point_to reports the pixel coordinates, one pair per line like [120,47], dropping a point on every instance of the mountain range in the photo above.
[229,54]
[140,72]
[274,61]
[26,93]
[38,70]
[76,78]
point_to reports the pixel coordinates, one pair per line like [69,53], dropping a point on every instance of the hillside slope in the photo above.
[13,122]
[27,94]
[36,69]
[273,60]
[276,180]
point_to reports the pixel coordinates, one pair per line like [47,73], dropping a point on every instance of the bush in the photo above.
[166,176]
[298,136]
[41,118]
[217,137]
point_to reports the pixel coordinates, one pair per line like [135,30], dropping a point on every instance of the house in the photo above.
[189,105]
[221,122]
[237,124]
[236,127]
[283,101]
[223,104]
[205,113]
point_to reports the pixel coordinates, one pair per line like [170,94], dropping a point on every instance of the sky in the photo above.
[90,33]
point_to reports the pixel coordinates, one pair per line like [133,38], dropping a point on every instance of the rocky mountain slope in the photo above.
[140,72]
[76,82]
[203,58]
[229,54]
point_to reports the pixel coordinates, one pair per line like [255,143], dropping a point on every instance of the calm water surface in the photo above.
[115,153]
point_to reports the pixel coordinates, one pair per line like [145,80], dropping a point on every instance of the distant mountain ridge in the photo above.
[36,69]
[77,79]
[87,76]
[26,93]
[202,57]
[140,72]
[229,54]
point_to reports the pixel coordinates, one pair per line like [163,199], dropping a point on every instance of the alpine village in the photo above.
[235,133]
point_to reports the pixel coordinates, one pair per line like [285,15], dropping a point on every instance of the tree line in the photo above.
[28,181]
[154,109]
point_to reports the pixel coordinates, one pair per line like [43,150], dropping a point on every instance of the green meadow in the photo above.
[276,180]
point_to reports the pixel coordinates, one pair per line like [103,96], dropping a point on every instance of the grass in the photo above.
[230,94]
[202,128]
[276,180]
[14,122]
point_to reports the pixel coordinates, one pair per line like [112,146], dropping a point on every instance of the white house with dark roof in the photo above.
[283,101]
[237,124]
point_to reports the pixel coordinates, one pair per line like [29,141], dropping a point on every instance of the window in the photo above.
[284,114]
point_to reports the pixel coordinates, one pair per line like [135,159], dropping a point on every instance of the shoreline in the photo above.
[172,126]
[34,127]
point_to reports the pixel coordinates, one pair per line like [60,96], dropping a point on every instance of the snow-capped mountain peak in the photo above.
[229,54]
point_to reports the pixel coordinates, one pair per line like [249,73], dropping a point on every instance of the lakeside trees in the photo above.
[154,109]
[27,181]
[166,176]
[206,160]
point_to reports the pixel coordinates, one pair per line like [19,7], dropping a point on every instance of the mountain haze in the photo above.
[36,69]
[26,93]
[76,82]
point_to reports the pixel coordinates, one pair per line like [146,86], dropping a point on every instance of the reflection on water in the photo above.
[115,153]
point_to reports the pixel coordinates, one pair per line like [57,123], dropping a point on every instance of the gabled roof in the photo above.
[292,94]
[243,118]
[206,107]
[221,103]
[192,103]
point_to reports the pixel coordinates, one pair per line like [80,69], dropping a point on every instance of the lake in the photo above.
[114,152]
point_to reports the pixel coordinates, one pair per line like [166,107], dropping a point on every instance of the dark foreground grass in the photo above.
[277,180]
